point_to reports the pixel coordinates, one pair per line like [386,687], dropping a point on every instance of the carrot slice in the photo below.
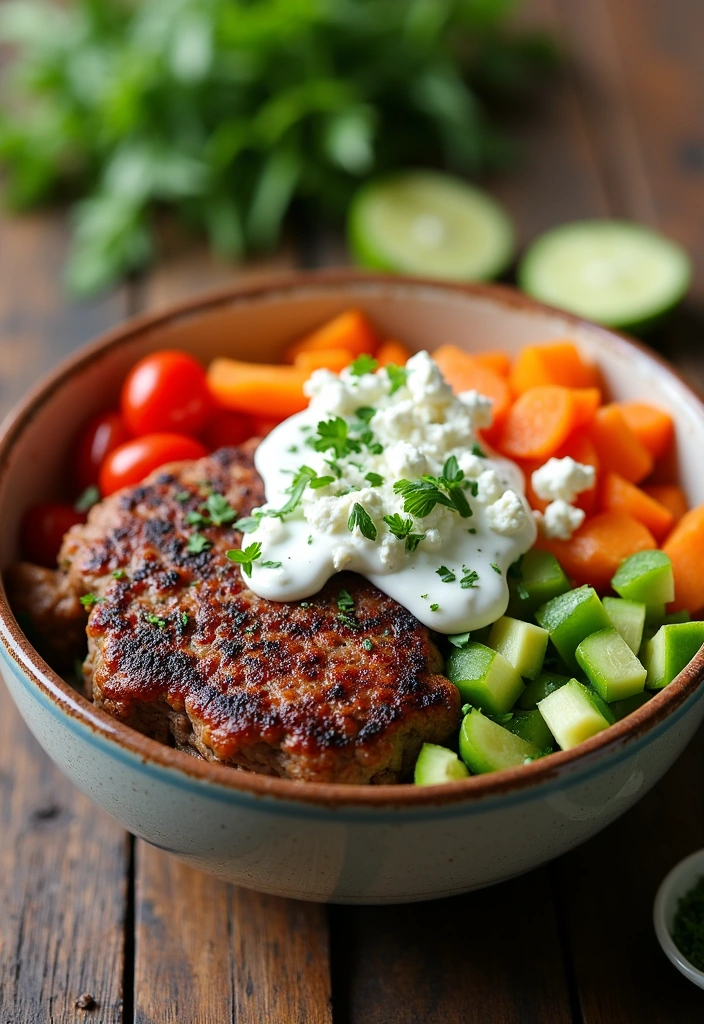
[685,546]
[462,371]
[599,546]
[539,421]
[586,402]
[618,448]
[494,359]
[558,362]
[671,496]
[333,359]
[653,427]
[257,388]
[619,495]
[350,330]
[393,352]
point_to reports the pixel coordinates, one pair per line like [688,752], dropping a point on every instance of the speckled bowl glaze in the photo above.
[327,842]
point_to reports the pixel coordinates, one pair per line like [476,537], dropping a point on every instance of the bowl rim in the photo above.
[689,869]
[69,702]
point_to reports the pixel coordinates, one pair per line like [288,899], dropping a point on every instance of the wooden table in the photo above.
[84,908]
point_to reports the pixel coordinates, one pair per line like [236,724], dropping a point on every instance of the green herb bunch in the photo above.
[228,110]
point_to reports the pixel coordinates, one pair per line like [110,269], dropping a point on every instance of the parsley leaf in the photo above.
[220,510]
[345,601]
[154,620]
[197,543]
[367,645]
[397,377]
[469,578]
[496,568]
[420,496]
[365,413]
[246,557]
[321,481]
[434,607]
[362,365]
[332,434]
[360,518]
[402,528]
[478,451]
[88,600]
[184,619]
[271,565]
[119,574]
[374,480]
[298,485]
[445,574]
[182,496]
[86,499]
[459,639]
[249,524]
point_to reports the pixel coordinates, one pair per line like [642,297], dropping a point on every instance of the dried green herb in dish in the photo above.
[688,926]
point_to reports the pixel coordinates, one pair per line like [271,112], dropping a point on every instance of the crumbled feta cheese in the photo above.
[391,552]
[342,555]
[489,487]
[560,520]
[562,479]
[405,460]
[480,408]
[425,381]
[508,514]
[471,465]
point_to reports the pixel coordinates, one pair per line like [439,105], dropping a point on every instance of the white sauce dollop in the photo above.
[415,428]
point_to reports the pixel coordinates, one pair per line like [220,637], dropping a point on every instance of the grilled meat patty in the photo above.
[329,689]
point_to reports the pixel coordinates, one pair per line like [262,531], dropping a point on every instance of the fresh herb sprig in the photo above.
[403,529]
[421,496]
[246,557]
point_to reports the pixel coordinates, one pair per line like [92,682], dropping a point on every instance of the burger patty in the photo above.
[343,687]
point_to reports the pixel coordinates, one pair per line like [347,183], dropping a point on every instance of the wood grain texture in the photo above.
[63,864]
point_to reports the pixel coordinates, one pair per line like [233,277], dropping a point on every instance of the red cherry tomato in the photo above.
[42,531]
[101,435]
[227,429]
[131,462]
[166,391]
[264,425]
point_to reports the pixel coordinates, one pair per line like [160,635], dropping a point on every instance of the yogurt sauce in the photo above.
[383,474]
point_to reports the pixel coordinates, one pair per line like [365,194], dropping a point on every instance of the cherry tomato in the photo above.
[264,425]
[227,429]
[131,462]
[101,435]
[42,531]
[166,391]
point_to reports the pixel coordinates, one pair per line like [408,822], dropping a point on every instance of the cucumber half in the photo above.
[618,273]
[423,222]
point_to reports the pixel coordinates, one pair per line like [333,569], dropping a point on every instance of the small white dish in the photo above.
[676,884]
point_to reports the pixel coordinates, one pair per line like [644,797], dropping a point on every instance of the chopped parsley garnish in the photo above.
[402,528]
[459,639]
[310,538]
[466,708]
[184,619]
[362,365]
[345,605]
[522,592]
[421,496]
[360,518]
[88,600]
[333,434]
[215,511]
[119,574]
[246,557]
[154,620]
[365,413]
[374,480]
[249,524]
[445,574]
[434,607]
[472,529]
[469,578]
[197,543]
[270,565]
[397,377]
[478,451]
[292,448]
[496,568]
[367,645]
[424,597]
[86,499]
[182,496]
[303,477]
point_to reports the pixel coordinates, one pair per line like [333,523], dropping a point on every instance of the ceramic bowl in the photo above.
[676,884]
[329,842]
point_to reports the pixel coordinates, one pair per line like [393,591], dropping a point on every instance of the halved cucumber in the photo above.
[531,726]
[615,272]
[570,618]
[628,618]
[423,222]
[488,747]
[670,650]
[646,576]
[574,713]
[437,765]
[484,678]
[521,643]
[611,666]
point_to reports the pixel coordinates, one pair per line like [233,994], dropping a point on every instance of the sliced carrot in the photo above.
[558,362]
[619,495]
[393,352]
[618,448]
[539,422]
[334,359]
[586,401]
[350,330]
[685,546]
[599,546]
[653,427]
[671,496]
[580,447]
[494,359]
[462,371]
[257,388]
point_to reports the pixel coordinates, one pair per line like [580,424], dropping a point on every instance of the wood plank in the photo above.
[63,864]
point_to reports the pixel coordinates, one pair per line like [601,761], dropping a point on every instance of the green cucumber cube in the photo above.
[628,617]
[488,747]
[571,617]
[574,713]
[521,643]
[670,650]
[611,666]
[484,678]
[531,726]
[646,576]
[621,708]
[437,765]
[674,617]
[539,689]
[541,578]
[654,614]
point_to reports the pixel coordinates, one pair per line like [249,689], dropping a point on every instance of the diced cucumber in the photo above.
[484,678]
[541,578]
[654,614]
[670,650]
[436,765]
[621,708]
[647,577]
[538,689]
[488,747]
[574,713]
[521,643]
[570,618]
[675,617]
[611,666]
[628,617]
[531,726]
